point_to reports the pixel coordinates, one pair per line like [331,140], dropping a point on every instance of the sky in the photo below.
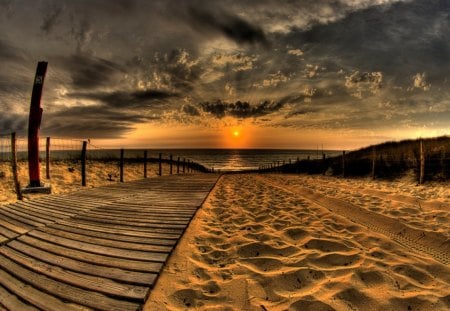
[229,74]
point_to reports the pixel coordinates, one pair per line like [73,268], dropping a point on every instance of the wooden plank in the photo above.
[138,221]
[27,215]
[122,231]
[99,249]
[32,295]
[4,231]
[140,213]
[107,242]
[93,283]
[122,275]
[114,237]
[33,211]
[21,221]
[116,262]
[13,225]
[11,302]
[135,225]
[65,291]
[43,209]
[129,227]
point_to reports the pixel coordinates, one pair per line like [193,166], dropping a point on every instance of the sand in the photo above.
[287,242]
[65,176]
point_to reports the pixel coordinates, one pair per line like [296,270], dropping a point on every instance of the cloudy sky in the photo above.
[284,74]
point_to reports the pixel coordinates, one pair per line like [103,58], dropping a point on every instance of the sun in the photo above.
[236,133]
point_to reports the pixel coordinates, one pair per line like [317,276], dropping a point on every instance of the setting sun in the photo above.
[236,133]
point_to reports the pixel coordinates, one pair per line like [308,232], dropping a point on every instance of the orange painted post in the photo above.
[34,124]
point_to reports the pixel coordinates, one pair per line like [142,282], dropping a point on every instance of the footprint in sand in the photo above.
[186,298]
[309,304]
[263,264]
[325,245]
[296,233]
[262,249]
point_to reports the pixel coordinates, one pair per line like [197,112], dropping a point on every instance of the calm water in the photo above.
[234,159]
[220,159]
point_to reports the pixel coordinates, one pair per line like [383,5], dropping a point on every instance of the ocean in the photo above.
[232,159]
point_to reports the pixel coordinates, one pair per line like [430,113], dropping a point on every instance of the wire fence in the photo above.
[65,164]
[427,159]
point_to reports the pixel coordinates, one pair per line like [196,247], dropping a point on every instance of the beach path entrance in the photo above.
[99,248]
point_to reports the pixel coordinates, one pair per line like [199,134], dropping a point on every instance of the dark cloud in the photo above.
[91,121]
[401,39]
[13,123]
[232,26]
[240,110]
[126,100]
[299,112]
[191,110]
[51,19]
[9,52]
[90,72]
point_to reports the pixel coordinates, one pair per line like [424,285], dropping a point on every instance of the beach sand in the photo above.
[65,176]
[288,242]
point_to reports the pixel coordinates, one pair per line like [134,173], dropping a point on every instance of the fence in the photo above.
[428,159]
[71,161]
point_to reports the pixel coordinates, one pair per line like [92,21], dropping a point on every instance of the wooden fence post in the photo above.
[422,163]
[374,158]
[145,163]
[122,151]
[160,165]
[184,165]
[178,165]
[343,163]
[324,167]
[47,158]
[14,166]
[83,164]
[170,159]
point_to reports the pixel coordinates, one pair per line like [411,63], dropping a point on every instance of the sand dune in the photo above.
[277,242]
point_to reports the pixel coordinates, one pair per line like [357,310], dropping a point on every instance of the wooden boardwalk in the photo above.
[101,248]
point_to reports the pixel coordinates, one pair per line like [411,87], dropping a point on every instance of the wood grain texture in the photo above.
[99,248]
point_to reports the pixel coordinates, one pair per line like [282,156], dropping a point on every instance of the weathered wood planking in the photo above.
[99,248]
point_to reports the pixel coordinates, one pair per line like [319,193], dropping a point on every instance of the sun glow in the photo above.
[236,133]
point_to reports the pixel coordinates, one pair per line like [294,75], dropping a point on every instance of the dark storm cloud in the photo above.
[51,19]
[126,100]
[9,52]
[401,39]
[90,72]
[240,110]
[91,121]
[13,123]
[232,26]
[190,110]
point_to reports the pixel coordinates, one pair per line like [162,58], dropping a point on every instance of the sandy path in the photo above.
[259,245]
